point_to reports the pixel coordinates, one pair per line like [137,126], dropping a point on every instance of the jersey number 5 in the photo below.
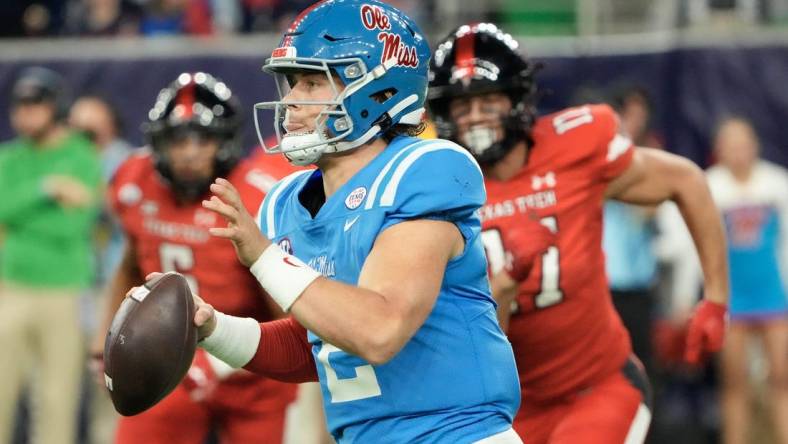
[178,258]
[550,292]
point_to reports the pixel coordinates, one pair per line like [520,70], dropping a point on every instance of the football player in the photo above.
[546,181]
[193,138]
[376,254]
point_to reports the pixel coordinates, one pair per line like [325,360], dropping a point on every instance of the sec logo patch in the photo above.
[355,198]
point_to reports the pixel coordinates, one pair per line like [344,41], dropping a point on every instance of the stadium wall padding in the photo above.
[691,88]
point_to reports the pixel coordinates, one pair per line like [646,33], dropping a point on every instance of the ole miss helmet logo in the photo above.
[373,17]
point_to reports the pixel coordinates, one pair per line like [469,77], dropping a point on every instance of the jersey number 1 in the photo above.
[550,292]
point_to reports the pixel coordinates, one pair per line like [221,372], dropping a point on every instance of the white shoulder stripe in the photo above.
[259,218]
[272,201]
[618,146]
[387,198]
[373,192]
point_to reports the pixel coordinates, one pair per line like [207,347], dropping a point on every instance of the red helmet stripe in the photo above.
[466,52]
[297,22]
[186,99]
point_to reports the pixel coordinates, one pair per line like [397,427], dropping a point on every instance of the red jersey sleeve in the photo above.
[614,149]
[284,353]
[125,189]
[257,174]
[252,185]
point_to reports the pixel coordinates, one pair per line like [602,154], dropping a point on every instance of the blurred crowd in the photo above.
[107,18]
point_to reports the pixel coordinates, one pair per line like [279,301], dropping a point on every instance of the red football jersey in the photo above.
[172,236]
[169,236]
[564,329]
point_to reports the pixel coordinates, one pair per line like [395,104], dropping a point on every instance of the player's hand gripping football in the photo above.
[706,331]
[204,316]
[241,228]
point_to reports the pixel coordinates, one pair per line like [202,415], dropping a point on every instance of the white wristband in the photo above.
[234,340]
[282,275]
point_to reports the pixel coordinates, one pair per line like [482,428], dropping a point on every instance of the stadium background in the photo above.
[699,60]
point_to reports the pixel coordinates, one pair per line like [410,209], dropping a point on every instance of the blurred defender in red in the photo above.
[156,194]
[546,181]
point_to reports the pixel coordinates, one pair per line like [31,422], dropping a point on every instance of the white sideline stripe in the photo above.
[274,196]
[376,184]
[387,198]
[639,427]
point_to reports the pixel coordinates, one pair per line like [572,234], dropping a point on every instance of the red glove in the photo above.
[201,379]
[525,245]
[706,331]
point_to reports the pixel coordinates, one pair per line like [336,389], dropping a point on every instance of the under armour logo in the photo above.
[539,182]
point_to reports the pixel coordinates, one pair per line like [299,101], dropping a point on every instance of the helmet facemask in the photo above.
[333,124]
[491,140]
[191,189]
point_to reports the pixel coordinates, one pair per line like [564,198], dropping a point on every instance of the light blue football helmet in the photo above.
[378,53]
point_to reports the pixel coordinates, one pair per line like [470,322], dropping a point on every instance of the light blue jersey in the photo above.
[455,381]
[756,218]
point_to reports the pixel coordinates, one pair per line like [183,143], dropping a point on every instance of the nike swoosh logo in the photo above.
[287,261]
[349,223]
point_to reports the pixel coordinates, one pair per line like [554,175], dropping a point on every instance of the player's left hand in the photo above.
[706,331]
[241,229]
[204,315]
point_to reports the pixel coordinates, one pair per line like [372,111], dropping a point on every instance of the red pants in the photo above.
[614,411]
[244,409]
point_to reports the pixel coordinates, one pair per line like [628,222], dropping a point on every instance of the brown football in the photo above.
[150,344]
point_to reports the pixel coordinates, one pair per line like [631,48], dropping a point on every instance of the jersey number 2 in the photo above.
[364,385]
[550,292]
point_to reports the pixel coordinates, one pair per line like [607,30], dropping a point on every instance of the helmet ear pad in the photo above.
[377,104]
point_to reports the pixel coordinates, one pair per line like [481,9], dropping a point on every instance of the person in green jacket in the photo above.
[50,180]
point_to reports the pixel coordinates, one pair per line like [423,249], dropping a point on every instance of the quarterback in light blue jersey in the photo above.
[376,253]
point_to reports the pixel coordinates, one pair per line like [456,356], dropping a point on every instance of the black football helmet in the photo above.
[195,103]
[477,59]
